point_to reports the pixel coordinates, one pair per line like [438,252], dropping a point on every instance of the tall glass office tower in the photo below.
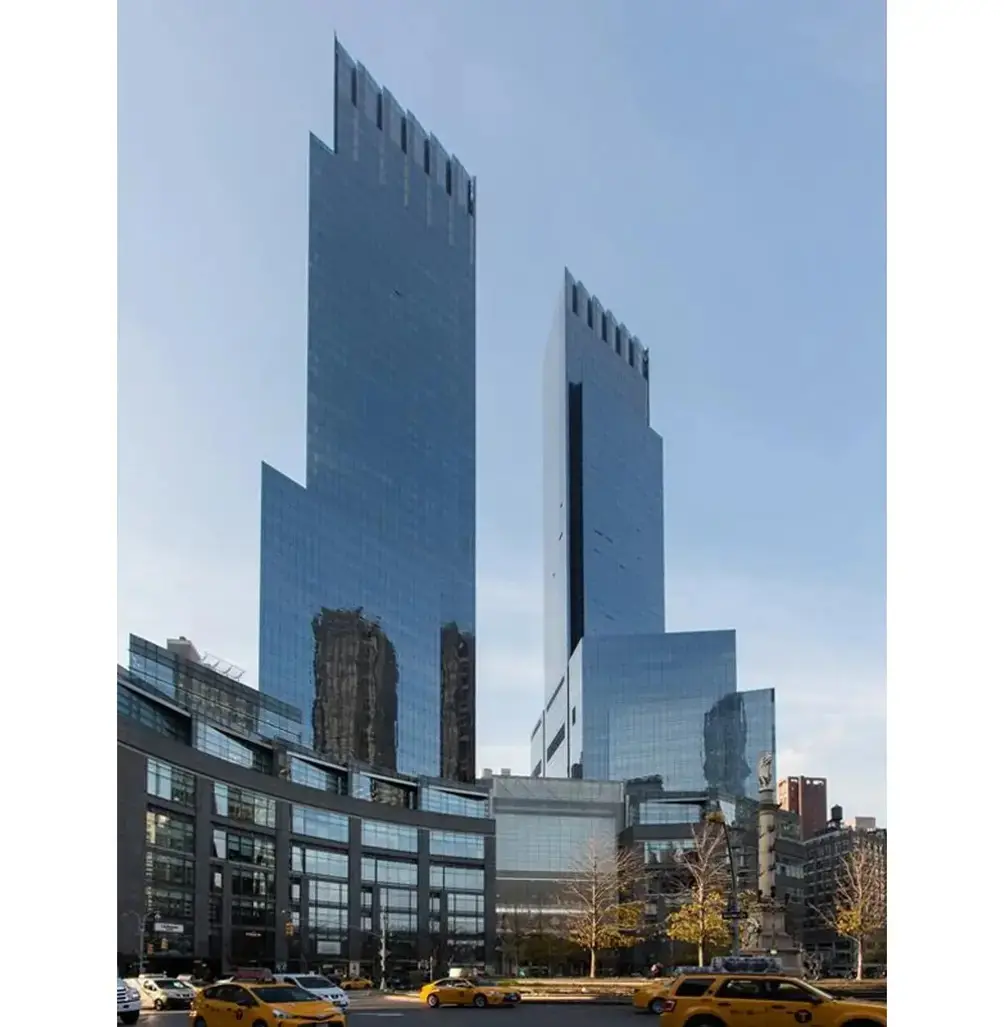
[367,571]
[624,699]
[603,507]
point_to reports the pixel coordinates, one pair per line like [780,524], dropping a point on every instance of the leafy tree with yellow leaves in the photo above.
[599,895]
[859,907]
[701,922]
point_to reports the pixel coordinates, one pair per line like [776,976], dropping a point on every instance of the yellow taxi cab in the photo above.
[260,1001]
[458,991]
[356,984]
[652,997]
[768,1000]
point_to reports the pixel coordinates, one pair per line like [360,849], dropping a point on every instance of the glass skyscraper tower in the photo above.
[367,571]
[623,698]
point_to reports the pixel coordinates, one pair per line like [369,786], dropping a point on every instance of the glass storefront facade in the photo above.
[367,570]
[226,866]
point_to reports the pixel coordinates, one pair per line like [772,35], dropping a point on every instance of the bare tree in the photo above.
[603,912]
[859,906]
[516,925]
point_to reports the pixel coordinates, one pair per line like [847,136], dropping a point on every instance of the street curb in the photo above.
[533,1000]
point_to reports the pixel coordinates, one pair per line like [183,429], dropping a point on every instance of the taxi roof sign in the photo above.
[252,973]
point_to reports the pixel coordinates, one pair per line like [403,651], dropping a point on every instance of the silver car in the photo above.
[320,986]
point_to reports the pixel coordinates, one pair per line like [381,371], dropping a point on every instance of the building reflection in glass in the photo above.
[456,704]
[355,689]
[725,733]
[384,519]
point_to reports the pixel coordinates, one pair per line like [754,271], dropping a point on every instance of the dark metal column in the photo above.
[203,868]
[282,903]
[425,946]
[355,889]
[491,934]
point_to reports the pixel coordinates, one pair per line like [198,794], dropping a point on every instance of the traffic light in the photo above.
[289,928]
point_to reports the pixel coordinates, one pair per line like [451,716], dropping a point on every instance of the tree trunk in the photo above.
[861,959]
[592,962]
[700,953]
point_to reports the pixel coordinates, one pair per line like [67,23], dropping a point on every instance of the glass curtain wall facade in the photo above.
[251,864]
[367,571]
[667,705]
[603,502]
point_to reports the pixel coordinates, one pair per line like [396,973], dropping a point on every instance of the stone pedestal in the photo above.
[772,940]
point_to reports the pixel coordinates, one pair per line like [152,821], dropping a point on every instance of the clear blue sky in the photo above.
[713,171]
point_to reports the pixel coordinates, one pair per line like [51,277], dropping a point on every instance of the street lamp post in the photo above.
[141,919]
[717,817]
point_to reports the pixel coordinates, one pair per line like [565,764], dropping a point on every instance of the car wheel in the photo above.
[130,1017]
[862,1023]
[704,1021]
[480,1001]
[259,1023]
[199,1022]
[158,1004]
[657,1005]
[432,1001]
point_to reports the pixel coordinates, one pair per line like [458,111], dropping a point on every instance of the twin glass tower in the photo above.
[367,570]
[623,698]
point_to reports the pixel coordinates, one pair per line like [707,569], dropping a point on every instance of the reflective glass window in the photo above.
[457,843]
[398,898]
[320,823]
[458,878]
[239,847]
[539,842]
[439,800]
[319,862]
[214,742]
[665,811]
[466,925]
[389,871]
[379,835]
[331,893]
[170,903]
[170,831]
[243,804]
[666,851]
[152,715]
[169,870]
[303,772]
[459,903]
[170,782]
[389,793]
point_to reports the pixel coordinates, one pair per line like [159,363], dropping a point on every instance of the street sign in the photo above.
[165,928]
[732,914]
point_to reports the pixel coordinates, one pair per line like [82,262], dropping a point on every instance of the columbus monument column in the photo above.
[772,940]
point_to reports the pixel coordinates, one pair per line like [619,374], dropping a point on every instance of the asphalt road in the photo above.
[374,1011]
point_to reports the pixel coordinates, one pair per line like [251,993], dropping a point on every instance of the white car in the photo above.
[129,1003]
[319,986]
[159,992]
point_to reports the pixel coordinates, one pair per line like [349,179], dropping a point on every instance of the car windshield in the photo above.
[279,993]
[815,990]
[166,983]
[315,983]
